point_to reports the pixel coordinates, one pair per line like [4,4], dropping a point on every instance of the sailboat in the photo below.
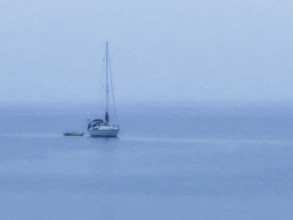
[103,127]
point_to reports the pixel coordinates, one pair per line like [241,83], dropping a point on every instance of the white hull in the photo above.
[104,132]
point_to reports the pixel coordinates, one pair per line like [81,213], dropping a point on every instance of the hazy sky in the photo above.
[161,51]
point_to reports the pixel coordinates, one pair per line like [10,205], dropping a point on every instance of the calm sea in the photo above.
[193,162]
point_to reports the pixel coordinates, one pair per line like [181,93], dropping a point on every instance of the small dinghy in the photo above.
[73,133]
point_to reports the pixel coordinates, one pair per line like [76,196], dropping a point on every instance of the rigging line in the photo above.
[101,85]
[112,89]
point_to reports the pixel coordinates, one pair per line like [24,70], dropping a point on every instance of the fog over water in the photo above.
[162,51]
[204,102]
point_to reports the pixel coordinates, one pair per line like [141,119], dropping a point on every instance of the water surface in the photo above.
[167,163]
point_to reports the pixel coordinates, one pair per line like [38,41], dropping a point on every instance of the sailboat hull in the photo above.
[109,132]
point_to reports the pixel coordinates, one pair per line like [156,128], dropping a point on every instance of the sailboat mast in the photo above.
[107,85]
